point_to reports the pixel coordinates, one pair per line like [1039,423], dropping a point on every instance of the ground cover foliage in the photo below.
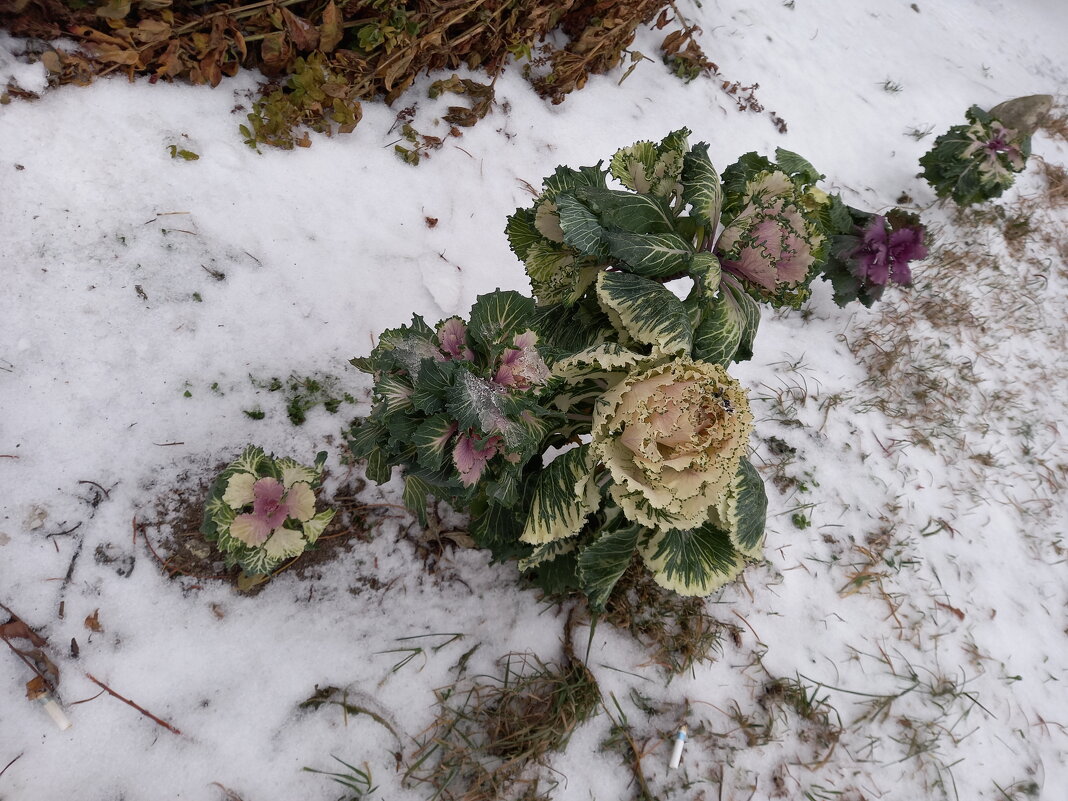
[322,59]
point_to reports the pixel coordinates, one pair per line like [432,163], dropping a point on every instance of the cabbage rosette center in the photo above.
[672,437]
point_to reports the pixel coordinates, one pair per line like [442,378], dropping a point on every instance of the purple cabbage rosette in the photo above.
[869,251]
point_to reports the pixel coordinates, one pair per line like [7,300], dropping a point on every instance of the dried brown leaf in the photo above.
[114,54]
[275,52]
[16,629]
[331,31]
[151,31]
[305,36]
[92,622]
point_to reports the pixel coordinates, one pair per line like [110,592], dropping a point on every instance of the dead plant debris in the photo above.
[492,733]
[678,631]
[321,60]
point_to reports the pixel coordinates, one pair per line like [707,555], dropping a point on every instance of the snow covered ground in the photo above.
[914,599]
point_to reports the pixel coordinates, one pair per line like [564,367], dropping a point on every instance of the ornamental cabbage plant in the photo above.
[261,511]
[978,161]
[595,426]
[869,251]
[457,405]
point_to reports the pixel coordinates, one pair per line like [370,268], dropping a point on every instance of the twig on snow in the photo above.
[140,709]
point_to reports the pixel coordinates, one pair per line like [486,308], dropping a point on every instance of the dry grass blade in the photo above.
[678,631]
[492,733]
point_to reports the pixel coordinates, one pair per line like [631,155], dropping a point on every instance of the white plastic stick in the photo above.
[676,753]
[55,711]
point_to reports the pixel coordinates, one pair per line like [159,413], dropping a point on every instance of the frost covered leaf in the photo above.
[696,561]
[498,316]
[563,496]
[648,312]
[602,563]
[650,255]
[701,187]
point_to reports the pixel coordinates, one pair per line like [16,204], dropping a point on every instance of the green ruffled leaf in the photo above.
[314,528]
[366,435]
[737,177]
[626,211]
[705,270]
[580,226]
[693,562]
[749,311]
[602,563]
[565,179]
[378,467]
[727,324]
[521,232]
[648,312]
[650,255]
[416,492]
[750,511]
[564,330]
[497,529]
[607,358]
[250,460]
[498,316]
[557,275]
[719,332]
[547,552]
[395,392]
[796,167]
[431,440]
[559,576]
[432,387]
[701,187]
[652,169]
[564,495]
[633,165]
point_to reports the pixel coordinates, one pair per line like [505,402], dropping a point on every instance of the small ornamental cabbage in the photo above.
[261,511]
[457,405]
[976,162]
[774,234]
[671,437]
[868,251]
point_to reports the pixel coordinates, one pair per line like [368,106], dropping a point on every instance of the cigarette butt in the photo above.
[55,712]
[676,752]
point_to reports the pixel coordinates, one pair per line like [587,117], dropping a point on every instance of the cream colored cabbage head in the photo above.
[672,437]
